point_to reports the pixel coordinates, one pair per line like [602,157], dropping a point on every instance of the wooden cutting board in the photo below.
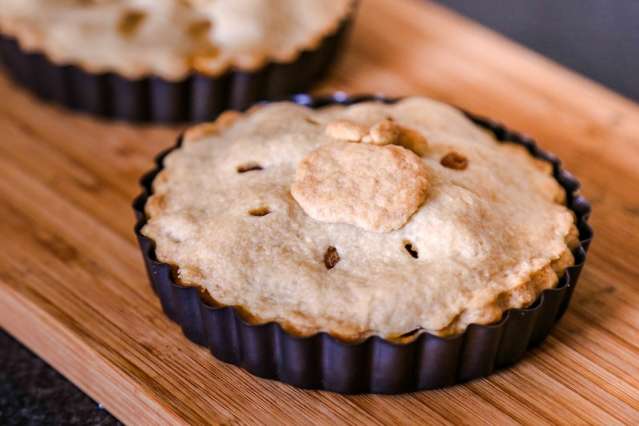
[73,287]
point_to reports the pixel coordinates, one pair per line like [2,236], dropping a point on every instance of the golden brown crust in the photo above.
[384,132]
[377,188]
[487,238]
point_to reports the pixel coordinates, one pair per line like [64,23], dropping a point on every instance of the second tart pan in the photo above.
[152,99]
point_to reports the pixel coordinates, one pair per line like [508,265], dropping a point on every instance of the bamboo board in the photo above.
[73,287]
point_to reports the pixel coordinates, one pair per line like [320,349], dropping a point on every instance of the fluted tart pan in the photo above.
[374,365]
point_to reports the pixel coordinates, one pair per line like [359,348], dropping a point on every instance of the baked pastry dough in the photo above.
[170,38]
[490,232]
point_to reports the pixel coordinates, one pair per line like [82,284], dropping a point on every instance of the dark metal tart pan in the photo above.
[374,365]
[152,99]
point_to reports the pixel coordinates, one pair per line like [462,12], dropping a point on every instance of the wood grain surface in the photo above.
[73,287]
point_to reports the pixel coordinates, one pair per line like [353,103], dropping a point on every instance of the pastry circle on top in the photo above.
[490,231]
[170,38]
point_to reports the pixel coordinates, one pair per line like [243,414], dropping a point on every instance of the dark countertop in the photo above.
[594,37]
[597,38]
[32,393]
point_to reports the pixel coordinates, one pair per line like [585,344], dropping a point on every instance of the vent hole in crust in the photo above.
[331,257]
[309,120]
[454,160]
[260,211]
[248,167]
[411,249]
[130,22]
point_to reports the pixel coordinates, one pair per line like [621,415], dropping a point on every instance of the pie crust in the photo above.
[488,237]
